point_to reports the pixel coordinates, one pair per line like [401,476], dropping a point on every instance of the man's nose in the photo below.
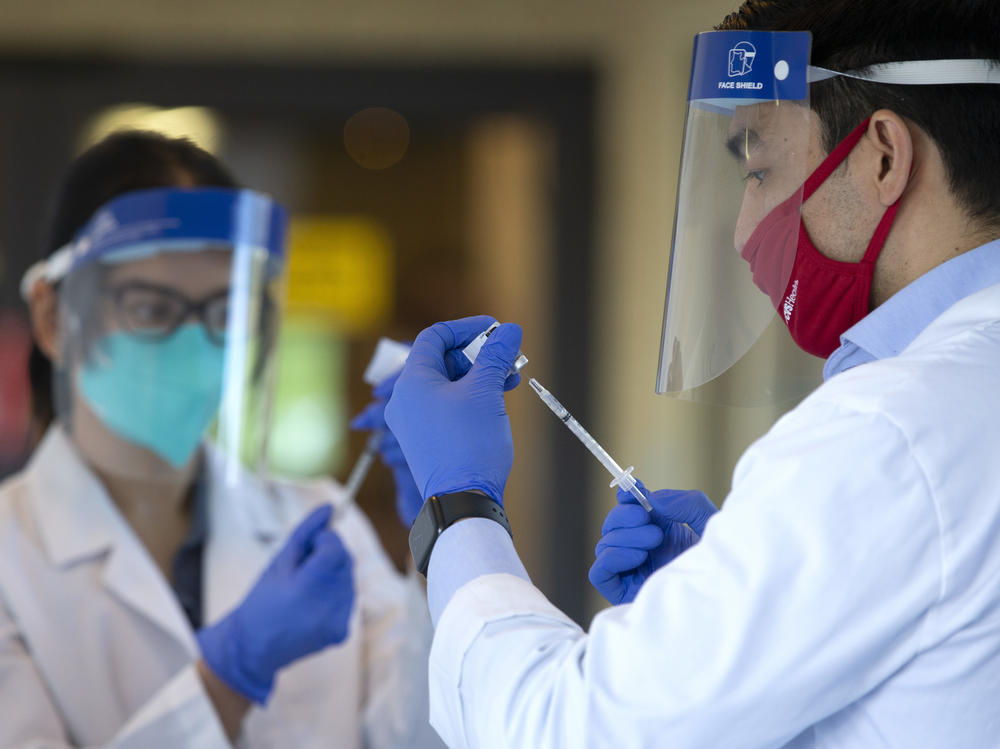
[746,222]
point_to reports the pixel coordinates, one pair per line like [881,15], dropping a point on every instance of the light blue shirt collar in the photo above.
[891,327]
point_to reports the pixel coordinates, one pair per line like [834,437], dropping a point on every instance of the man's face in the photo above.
[777,147]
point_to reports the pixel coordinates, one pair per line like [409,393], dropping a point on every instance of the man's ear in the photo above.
[43,301]
[890,137]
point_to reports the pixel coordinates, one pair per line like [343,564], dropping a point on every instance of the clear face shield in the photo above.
[737,262]
[745,158]
[169,307]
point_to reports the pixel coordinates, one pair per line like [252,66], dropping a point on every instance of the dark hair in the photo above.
[122,162]
[963,120]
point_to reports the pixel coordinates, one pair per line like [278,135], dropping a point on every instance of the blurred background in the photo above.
[440,158]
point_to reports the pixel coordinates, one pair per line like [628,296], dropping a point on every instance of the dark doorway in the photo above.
[284,127]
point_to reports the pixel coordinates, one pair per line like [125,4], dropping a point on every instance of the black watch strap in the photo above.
[444,510]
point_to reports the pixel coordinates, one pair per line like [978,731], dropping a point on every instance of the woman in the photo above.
[153,592]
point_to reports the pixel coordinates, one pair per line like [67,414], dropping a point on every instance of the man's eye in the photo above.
[757,174]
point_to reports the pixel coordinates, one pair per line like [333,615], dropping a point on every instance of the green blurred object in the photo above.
[309,420]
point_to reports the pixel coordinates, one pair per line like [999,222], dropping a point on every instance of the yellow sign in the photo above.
[340,269]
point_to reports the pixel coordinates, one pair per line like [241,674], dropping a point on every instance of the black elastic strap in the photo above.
[460,505]
[441,511]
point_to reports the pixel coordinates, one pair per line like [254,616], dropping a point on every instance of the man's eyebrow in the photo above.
[739,144]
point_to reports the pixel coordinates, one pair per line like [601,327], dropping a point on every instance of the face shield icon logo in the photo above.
[741,59]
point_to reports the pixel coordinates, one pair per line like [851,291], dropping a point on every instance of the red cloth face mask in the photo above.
[822,297]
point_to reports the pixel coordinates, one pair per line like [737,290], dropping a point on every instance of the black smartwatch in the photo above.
[444,510]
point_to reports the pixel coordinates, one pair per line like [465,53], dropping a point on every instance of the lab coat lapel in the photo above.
[79,523]
[133,577]
[71,509]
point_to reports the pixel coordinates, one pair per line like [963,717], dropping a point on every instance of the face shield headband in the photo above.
[144,222]
[738,223]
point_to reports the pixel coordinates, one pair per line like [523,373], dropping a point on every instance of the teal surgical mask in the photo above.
[161,395]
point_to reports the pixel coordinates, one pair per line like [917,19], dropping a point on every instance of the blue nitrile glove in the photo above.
[300,604]
[408,499]
[635,543]
[453,427]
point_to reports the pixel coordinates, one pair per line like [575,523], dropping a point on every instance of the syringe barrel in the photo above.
[593,445]
[363,464]
[576,428]
[621,478]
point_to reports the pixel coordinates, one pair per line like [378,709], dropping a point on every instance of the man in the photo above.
[848,594]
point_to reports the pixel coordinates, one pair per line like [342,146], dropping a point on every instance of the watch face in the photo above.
[422,534]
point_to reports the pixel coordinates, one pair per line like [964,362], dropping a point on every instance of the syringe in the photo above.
[388,359]
[622,478]
[362,465]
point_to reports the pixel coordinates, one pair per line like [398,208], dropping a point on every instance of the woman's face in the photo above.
[149,378]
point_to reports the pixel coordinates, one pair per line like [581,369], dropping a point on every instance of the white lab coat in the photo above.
[96,651]
[847,594]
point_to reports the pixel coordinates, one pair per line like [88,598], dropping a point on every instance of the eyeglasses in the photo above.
[155,312]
